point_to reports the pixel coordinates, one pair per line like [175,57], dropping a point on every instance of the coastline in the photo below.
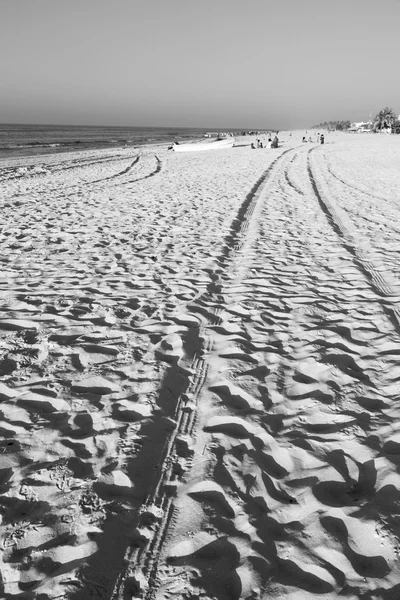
[33,140]
[50,149]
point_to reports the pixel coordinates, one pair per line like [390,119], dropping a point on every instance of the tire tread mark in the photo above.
[289,181]
[128,168]
[143,560]
[156,170]
[357,189]
[333,214]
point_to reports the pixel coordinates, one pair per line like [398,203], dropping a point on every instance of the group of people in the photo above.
[320,138]
[272,143]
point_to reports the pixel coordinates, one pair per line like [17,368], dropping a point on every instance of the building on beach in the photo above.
[361,127]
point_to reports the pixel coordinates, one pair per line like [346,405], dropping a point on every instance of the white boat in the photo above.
[215,145]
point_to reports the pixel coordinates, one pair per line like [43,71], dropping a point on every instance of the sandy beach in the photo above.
[199,372]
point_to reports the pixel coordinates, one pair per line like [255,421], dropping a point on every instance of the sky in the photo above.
[198,63]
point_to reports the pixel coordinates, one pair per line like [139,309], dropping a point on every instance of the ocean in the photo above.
[20,140]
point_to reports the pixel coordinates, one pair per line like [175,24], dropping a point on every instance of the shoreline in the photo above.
[53,146]
[50,150]
[287,138]
[39,146]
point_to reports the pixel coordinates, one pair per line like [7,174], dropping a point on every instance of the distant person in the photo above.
[317,137]
[304,139]
[269,139]
[253,146]
[322,138]
[310,139]
[275,142]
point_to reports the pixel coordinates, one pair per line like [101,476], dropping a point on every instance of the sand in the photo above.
[199,373]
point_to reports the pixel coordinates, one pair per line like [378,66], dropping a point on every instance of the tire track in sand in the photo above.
[155,171]
[157,512]
[343,227]
[356,188]
[257,494]
[18,172]
[127,170]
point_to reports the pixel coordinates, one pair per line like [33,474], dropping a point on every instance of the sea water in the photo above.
[20,140]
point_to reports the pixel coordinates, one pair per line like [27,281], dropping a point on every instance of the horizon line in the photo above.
[149,126]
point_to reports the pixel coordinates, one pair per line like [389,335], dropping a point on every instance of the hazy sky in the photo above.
[205,63]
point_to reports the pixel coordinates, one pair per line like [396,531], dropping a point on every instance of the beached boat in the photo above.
[214,145]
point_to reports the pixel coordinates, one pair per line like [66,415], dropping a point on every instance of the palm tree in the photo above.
[384,119]
[396,126]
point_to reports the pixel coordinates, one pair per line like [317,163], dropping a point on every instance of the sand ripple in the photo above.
[199,375]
